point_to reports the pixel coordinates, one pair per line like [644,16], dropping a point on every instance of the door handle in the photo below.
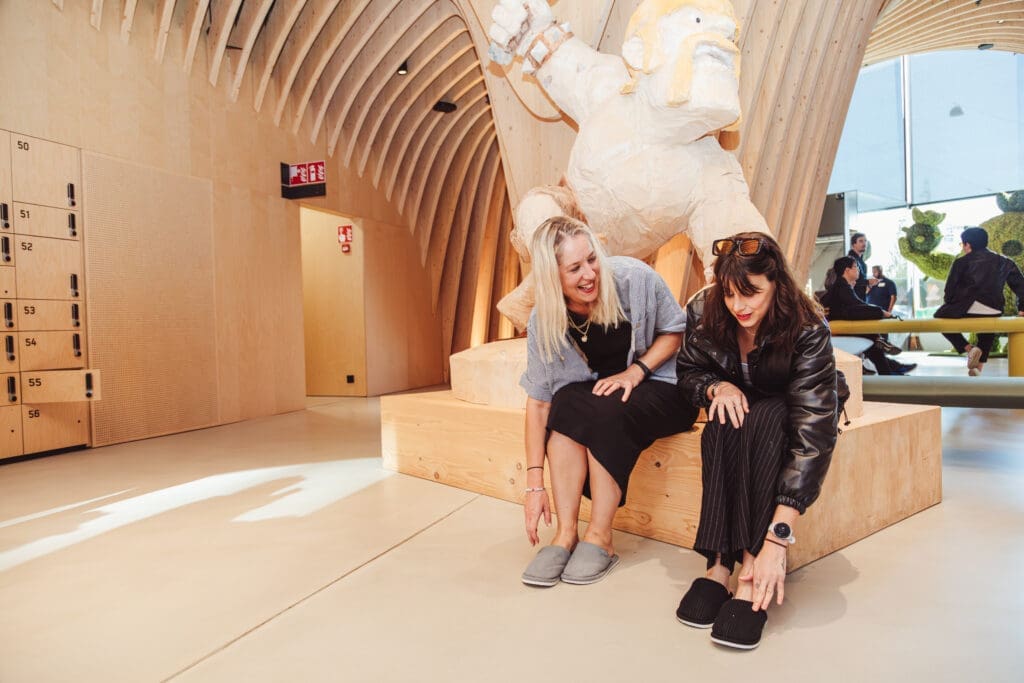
[8,314]
[74,284]
[75,320]
[5,249]
[72,225]
[76,344]
[9,347]
[12,390]
[88,384]
[71,194]
[5,218]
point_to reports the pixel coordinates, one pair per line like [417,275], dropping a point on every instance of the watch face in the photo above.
[782,530]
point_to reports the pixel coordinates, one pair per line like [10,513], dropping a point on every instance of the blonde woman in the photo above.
[601,383]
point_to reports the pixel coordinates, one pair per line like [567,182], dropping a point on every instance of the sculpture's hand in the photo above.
[516,24]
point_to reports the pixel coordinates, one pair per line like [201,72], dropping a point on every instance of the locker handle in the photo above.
[72,225]
[5,248]
[9,347]
[74,284]
[8,314]
[75,321]
[71,194]
[88,384]
[12,390]
[76,344]
[5,218]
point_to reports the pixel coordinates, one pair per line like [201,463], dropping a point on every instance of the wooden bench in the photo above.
[1013,326]
[886,467]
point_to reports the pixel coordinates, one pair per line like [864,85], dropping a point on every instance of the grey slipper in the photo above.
[589,563]
[546,568]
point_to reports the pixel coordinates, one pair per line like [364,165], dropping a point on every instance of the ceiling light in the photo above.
[986,46]
[1000,21]
[956,110]
[445,107]
[403,69]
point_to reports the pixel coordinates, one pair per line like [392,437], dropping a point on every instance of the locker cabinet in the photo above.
[6,197]
[7,283]
[44,172]
[47,426]
[45,221]
[60,386]
[48,268]
[10,431]
[10,386]
[9,352]
[43,314]
[49,350]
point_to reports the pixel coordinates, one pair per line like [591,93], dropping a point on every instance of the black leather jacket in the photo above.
[806,376]
[980,276]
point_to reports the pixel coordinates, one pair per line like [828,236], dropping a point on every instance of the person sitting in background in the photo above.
[758,354]
[974,289]
[600,381]
[842,303]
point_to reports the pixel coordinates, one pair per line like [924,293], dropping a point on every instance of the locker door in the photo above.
[46,221]
[48,268]
[10,388]
[59,386]
[46,426]
[6,198]
[7,282]
[41,314]
[51,350]
[9,352]
[45,172]
[10,432]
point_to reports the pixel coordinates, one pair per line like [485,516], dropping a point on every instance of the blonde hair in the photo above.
[551,311]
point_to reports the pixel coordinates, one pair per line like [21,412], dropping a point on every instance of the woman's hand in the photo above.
[627,380]
[535,506]
[768,575]
[729,402]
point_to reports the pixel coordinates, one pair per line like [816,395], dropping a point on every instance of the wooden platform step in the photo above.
[886,467]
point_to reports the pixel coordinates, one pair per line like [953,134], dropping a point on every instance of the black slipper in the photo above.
[700,605]
[739,626]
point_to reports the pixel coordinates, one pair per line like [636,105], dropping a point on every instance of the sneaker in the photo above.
[887,348]
[973,358]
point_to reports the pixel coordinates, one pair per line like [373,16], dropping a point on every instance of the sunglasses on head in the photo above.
[746,246]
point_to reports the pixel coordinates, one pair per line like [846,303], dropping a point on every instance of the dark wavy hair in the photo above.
[790,311]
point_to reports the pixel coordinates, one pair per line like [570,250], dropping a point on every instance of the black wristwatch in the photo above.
[783,532]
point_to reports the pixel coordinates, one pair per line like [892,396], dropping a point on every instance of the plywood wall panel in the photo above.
[150,296]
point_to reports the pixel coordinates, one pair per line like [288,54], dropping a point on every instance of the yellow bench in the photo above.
[1010,325]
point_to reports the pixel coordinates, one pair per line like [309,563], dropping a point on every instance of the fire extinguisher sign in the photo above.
[345,238]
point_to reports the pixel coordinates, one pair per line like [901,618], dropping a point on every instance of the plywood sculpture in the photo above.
[647,163]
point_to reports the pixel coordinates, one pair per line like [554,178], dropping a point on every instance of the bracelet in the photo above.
[643,366]
[780,543]
[535,467]
[537,489]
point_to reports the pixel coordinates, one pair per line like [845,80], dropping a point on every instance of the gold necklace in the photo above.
[583,330]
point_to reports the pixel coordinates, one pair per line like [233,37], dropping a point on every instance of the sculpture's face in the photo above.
[686,51]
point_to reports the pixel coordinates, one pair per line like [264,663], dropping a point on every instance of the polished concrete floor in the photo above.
[278,550]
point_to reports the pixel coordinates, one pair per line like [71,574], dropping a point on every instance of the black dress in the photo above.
[614,432]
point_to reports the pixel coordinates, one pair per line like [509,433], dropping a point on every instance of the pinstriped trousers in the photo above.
[740,471]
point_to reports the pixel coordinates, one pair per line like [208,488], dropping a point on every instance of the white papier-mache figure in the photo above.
[646,164]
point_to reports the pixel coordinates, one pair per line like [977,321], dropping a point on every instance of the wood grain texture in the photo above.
[886,467]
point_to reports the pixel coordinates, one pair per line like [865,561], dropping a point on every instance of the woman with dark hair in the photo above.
[758,354]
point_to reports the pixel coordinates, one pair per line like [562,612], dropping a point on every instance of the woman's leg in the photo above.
[567,461]
[745,589]
[605,495]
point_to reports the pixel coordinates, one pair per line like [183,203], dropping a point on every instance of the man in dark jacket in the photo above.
[842,303]
[858,245]
[974,289]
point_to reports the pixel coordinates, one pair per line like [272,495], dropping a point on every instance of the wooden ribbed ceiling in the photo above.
[914,26]
[328,69]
